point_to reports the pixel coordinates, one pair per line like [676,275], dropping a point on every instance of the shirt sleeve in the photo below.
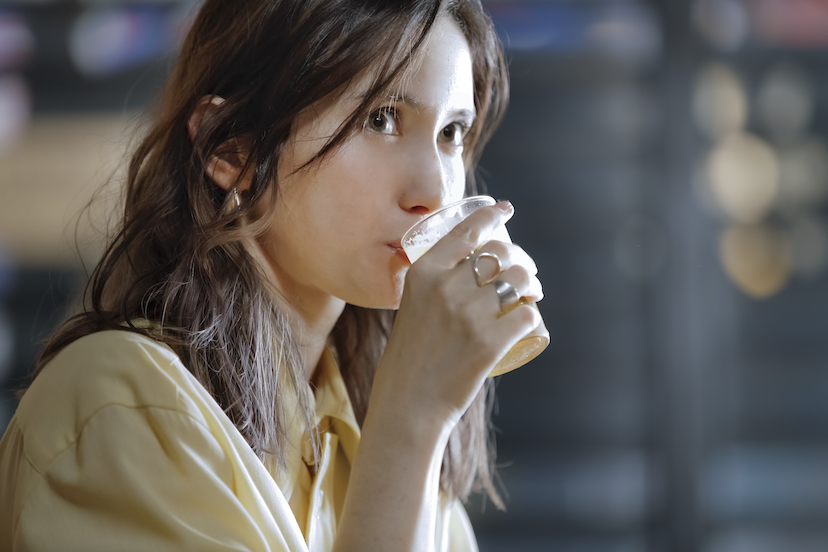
[143,479]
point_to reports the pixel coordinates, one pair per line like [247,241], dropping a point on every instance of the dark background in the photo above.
[681,405]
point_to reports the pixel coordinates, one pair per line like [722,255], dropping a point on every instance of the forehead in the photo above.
[438,80]
[441,68]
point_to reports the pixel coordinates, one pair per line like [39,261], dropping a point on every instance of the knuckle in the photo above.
[499,248]
[467,231]
[519,276]
[520,257]
[526,315]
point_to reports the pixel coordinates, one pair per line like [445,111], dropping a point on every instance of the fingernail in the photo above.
[505,205]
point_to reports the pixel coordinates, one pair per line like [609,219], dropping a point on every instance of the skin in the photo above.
[349,212]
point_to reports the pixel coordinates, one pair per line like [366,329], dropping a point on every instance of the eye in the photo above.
[383,121]
[454,134]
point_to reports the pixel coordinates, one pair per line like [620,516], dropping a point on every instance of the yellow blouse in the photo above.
[116,446]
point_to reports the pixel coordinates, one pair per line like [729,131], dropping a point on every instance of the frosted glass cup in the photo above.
[428,231]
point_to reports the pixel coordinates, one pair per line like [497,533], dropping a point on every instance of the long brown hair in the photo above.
[177,259]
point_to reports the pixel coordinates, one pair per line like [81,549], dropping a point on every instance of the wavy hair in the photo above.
[177,260]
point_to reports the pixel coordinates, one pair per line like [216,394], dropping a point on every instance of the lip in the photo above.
[396,247]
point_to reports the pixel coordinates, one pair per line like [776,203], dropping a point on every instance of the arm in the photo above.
[446,339]
[393,492]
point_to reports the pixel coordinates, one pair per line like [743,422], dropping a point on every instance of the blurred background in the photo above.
[668,160]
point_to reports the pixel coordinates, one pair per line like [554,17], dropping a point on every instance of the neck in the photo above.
[317,319]
[311,314]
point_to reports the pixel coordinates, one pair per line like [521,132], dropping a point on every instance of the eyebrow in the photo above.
[468,115]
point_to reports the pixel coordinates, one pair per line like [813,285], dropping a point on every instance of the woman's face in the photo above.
[337,226]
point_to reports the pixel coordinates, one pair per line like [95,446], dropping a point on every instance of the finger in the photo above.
[518,278]
[495,256]
[489,306]
[519,321]
[485,266]
[517,256]
[470,233]
[527,285]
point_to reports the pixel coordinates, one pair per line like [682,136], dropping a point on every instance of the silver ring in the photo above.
[506,293]
[476,257]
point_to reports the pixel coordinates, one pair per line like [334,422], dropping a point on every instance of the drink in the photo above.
[414,252]
[423,235]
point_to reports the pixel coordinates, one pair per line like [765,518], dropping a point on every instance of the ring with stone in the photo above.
[475,258]
[506,293]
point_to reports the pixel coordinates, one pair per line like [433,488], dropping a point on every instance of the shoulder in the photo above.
[116,442]
[97,371]
[112,366]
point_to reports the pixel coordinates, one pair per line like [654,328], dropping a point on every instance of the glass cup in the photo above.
[428,231]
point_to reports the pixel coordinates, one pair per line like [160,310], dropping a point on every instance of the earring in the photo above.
[232,203]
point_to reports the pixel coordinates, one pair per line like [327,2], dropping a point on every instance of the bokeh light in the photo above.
[756,257]
[16,41]
[719,101]
[743,175]
[790,23]
[627,31]
[104,41]
[724,24]
[15,110]
[784,102]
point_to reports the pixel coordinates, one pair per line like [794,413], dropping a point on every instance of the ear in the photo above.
[225,166]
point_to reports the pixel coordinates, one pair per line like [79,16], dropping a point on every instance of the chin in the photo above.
[386,298]
[377,293]
[377,306]
[388,303]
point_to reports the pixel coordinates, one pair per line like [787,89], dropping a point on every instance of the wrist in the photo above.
[406,426]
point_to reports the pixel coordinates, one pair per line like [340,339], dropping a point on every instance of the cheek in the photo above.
[457,186]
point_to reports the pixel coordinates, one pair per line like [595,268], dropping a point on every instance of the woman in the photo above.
[239,379]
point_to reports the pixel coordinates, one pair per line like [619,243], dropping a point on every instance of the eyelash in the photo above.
[461,129]
[390,114]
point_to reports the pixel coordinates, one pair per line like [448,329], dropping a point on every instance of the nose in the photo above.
[429,181]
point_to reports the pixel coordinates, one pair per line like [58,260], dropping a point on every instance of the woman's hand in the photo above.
[449,332]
